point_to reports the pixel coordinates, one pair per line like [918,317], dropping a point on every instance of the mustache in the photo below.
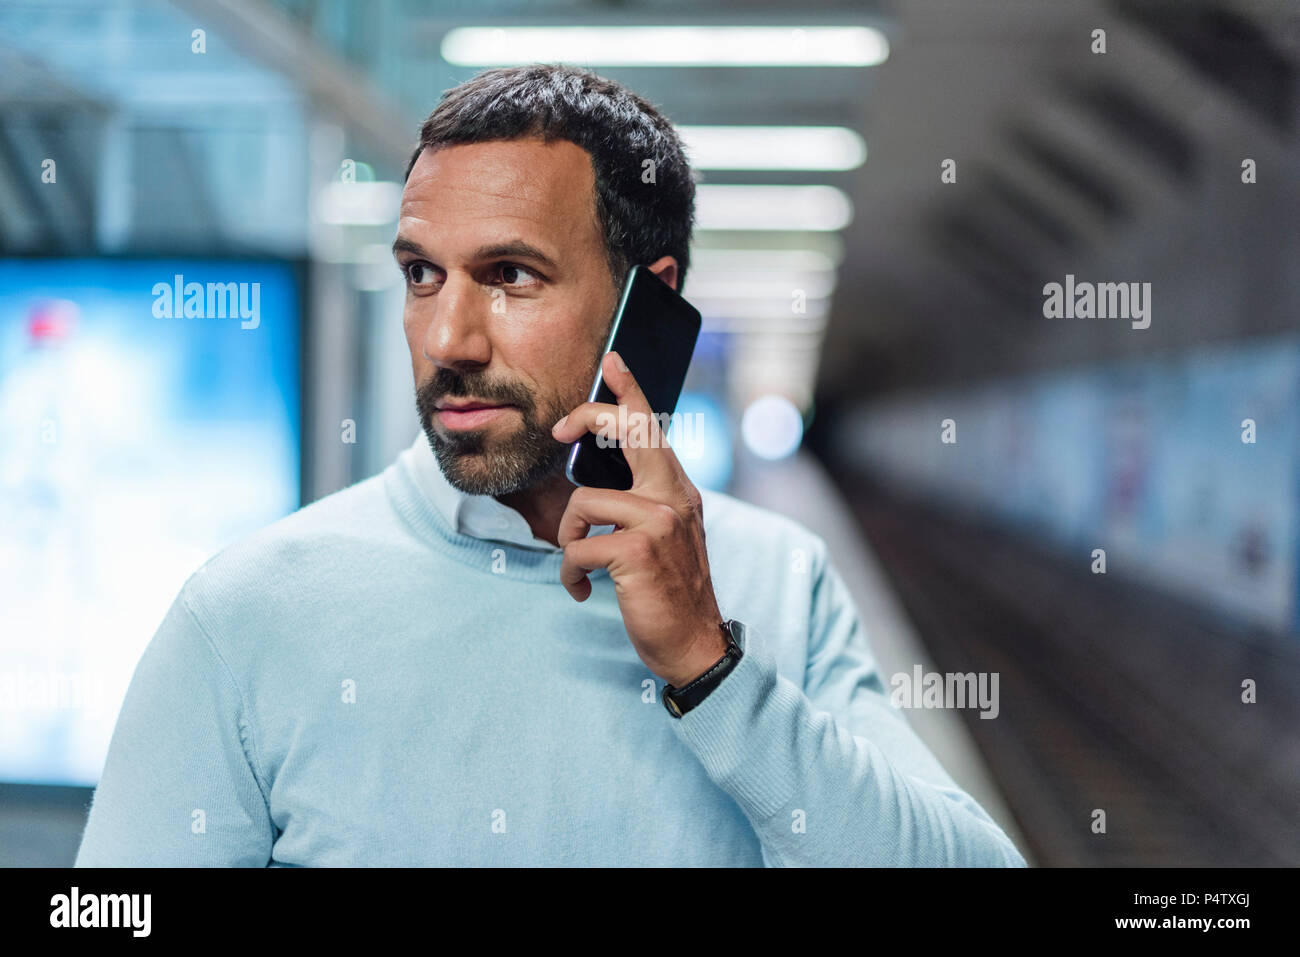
[451,383]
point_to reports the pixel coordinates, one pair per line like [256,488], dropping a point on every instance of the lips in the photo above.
[469,406]
[469,414]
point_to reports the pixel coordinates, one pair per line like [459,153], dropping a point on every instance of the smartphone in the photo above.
[654,331]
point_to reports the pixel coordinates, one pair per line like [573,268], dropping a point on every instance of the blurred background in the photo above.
[1102,515]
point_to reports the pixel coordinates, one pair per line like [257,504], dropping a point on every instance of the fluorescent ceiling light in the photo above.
[359,204]
[773,147]
[811,208]
[666,46]
[795,260]
[760,310]
[761,284]
[790,330]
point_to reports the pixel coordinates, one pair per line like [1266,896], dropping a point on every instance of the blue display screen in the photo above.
[149,416]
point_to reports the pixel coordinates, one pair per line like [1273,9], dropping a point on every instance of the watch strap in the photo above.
[679,701]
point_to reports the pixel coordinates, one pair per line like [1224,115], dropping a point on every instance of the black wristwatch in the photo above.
[678,701]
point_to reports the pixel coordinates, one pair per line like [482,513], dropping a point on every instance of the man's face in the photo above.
[508,302]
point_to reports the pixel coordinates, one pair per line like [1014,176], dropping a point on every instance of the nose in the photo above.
[457,333]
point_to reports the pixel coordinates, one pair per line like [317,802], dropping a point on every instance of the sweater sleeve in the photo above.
[179,786]
[830,774]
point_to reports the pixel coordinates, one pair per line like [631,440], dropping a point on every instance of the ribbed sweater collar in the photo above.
[411,484]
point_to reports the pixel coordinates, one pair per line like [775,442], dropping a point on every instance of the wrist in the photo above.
[706,651]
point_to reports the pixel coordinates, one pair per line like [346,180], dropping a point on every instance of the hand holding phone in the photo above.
[656,555]
[654,332]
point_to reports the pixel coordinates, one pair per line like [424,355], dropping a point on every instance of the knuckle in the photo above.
[666,517]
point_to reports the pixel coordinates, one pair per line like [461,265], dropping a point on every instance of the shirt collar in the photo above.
[478,516]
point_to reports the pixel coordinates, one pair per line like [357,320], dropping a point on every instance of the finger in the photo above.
[651,445]
[581,557]
[636,409]
[598,417]
[638,432]
[598,506]
[653,463]
[623,383]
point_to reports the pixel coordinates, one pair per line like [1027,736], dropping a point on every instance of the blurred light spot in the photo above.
[701,439]
[772,427]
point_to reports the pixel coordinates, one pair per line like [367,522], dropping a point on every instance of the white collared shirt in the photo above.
[478,516]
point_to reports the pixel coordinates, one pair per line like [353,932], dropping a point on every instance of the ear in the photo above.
[665,267]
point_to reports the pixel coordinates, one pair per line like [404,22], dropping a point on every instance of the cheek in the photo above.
[573,359]
[544,345]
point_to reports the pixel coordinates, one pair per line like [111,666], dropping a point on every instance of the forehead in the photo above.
[478,190]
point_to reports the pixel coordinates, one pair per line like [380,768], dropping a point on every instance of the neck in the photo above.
[542,506]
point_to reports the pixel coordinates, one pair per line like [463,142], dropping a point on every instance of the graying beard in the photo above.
[508,470]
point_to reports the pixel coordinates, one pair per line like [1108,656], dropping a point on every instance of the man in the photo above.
[466,661]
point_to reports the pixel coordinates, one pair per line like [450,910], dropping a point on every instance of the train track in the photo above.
[1113,697]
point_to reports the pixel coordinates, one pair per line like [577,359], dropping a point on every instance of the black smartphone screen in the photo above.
[654,330]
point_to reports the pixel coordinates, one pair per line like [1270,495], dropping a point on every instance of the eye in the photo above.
[510,272]
[418,273]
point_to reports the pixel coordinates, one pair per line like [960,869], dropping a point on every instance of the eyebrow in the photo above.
[515,248]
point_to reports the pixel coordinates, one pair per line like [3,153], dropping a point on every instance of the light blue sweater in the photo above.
[362,684]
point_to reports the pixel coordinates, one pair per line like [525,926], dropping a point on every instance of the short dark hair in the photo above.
[641,221]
